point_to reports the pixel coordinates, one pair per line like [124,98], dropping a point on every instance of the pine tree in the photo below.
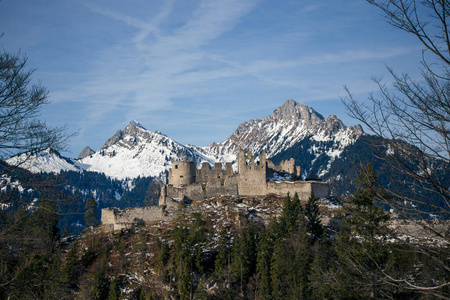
[70,270]
[100,286]
[286,217]
[90,218]
[299,263]
[114,290]
[240,261]
[43,225]
[264,259]
[221,262]
[181,260]
[361,245]
[313,220]
[263,262]
[278,270]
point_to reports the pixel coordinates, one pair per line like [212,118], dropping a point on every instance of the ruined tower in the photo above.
[182,173]
[252,176]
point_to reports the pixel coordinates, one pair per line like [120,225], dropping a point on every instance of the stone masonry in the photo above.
[187,183]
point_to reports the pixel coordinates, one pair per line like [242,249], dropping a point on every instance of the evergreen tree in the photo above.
[264,259]
[313,221]
[323,271]
[163,257]
[43,225]
[278,270]
[243,255]
[114,290]
[181,262]
[286,218]
[361,245]
[70,271]
[100,286]
[90,218]
[299,260]
[223,253]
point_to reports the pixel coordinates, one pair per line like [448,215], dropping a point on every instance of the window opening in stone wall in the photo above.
[176,166]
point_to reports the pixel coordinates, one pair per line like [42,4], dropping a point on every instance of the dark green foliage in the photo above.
[70,271]
[114,290]
[313,221]
[90,218]
[163,256]
[263,264]
[290,215]
[360,246]
[186,257]
[43,224]
[243,255]
[100,286]
[222,261]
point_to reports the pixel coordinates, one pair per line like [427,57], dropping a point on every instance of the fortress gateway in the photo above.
[187,183]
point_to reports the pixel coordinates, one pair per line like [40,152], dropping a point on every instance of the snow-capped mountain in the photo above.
[44,161]
[289,124]
[135,151]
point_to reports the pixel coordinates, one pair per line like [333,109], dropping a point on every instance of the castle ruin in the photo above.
[253,178]
[187,183]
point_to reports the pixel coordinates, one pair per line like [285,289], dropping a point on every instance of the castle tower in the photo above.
[242,161]
[252,178]
[263,159]
[182,173]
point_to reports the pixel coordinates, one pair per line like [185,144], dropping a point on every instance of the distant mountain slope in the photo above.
[87,151]
[44,161]
[135,151]
[291,124]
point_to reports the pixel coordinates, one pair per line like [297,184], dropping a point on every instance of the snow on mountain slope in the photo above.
[44,161]
[135,151]
[288,125]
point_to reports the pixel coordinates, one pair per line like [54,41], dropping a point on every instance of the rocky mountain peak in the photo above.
[87,151]
[296,111]
[134,131]
[135,124]
[332,124]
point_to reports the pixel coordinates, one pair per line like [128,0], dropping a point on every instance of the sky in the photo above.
[195,69]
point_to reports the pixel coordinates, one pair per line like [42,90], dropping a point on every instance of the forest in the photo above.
[293,256]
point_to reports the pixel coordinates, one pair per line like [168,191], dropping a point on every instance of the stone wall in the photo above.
[302,188]
[116,219]
[196,191]
[250,180]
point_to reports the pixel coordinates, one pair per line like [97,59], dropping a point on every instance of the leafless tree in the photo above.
[21,132]
[20,102]
[412,120]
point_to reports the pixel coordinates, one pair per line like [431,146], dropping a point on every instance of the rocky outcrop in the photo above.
[87,151]
[289,124]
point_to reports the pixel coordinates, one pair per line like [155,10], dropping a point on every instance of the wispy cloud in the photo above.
[166,60]
[153,69]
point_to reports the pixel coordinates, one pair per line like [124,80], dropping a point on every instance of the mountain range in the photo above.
[128,170]
[136,152]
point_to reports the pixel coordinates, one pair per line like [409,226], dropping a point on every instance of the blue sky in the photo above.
[195,70]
